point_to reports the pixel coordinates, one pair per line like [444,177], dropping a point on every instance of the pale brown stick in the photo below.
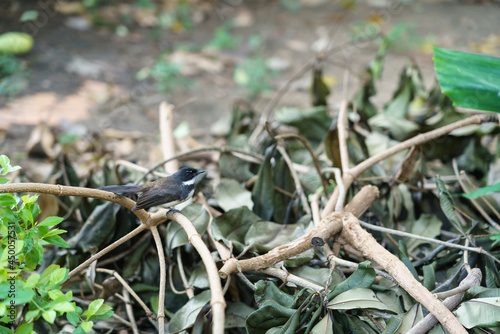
[328,227]
[217,301]
[127,287]
[364,242]
[167,136]
[163,279]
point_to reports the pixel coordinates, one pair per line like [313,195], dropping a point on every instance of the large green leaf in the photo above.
[480,312]
[469,80]
[483,191]
[359,298]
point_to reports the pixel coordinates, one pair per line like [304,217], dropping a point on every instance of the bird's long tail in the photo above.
[122,189]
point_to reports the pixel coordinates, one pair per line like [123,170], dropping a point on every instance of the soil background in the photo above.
[85,80]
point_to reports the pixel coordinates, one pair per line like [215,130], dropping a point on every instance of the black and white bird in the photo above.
[170,190]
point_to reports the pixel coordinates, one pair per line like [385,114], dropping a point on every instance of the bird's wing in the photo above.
[151,198]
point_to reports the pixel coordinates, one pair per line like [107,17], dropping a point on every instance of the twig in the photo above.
[234,151]
[127,252]
[167,136]
[328,227]
[342,126]
[458,174]
[127,287]
[136,167]
[315,160]
[276,98]
[130,311]
[354,172]
[106,250]
[424,325]
[114,316]
[431,240]
[298,185]
[217,298]
[350,264]
[189,289]
[488,204]
[340,185]
[163,279]
[286,277]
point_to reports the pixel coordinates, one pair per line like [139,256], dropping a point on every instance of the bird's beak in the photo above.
[199,175]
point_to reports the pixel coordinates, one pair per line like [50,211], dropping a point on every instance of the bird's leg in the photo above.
[172,210]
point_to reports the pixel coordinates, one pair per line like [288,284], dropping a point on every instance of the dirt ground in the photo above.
[88,77]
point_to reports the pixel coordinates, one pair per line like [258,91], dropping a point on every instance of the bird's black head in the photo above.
[188,174]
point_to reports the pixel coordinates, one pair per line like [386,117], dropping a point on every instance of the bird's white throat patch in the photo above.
[188,183]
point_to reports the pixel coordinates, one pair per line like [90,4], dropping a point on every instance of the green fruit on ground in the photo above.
[15,43]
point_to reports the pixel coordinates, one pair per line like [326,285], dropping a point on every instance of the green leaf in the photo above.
[49,316]
[24,328]
[483,191]
[56,240]
[50,221]
[32,281]
[56,276]
[267,317]
[176,236]
[312,123]
[7,200]
[73,318]
[5,330]
[236,315]
[325,326]
[64,307]
[26,216]
[319,89]
[98,229]
[268,293]
[232,226]
[188,313]
[33,314]
[104,311]
[469,80]
[479,312]
[403,256]
[410,318]
[231,194]
[87,326]
[428,226]
[429,277]
[263,189]
[357,299]
[363,277]
[6,167]
[447,203]
[94,307]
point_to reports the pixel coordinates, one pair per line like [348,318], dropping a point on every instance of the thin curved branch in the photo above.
[217,301]
[127,287]
[306,144]
[354,172]
[163,279]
